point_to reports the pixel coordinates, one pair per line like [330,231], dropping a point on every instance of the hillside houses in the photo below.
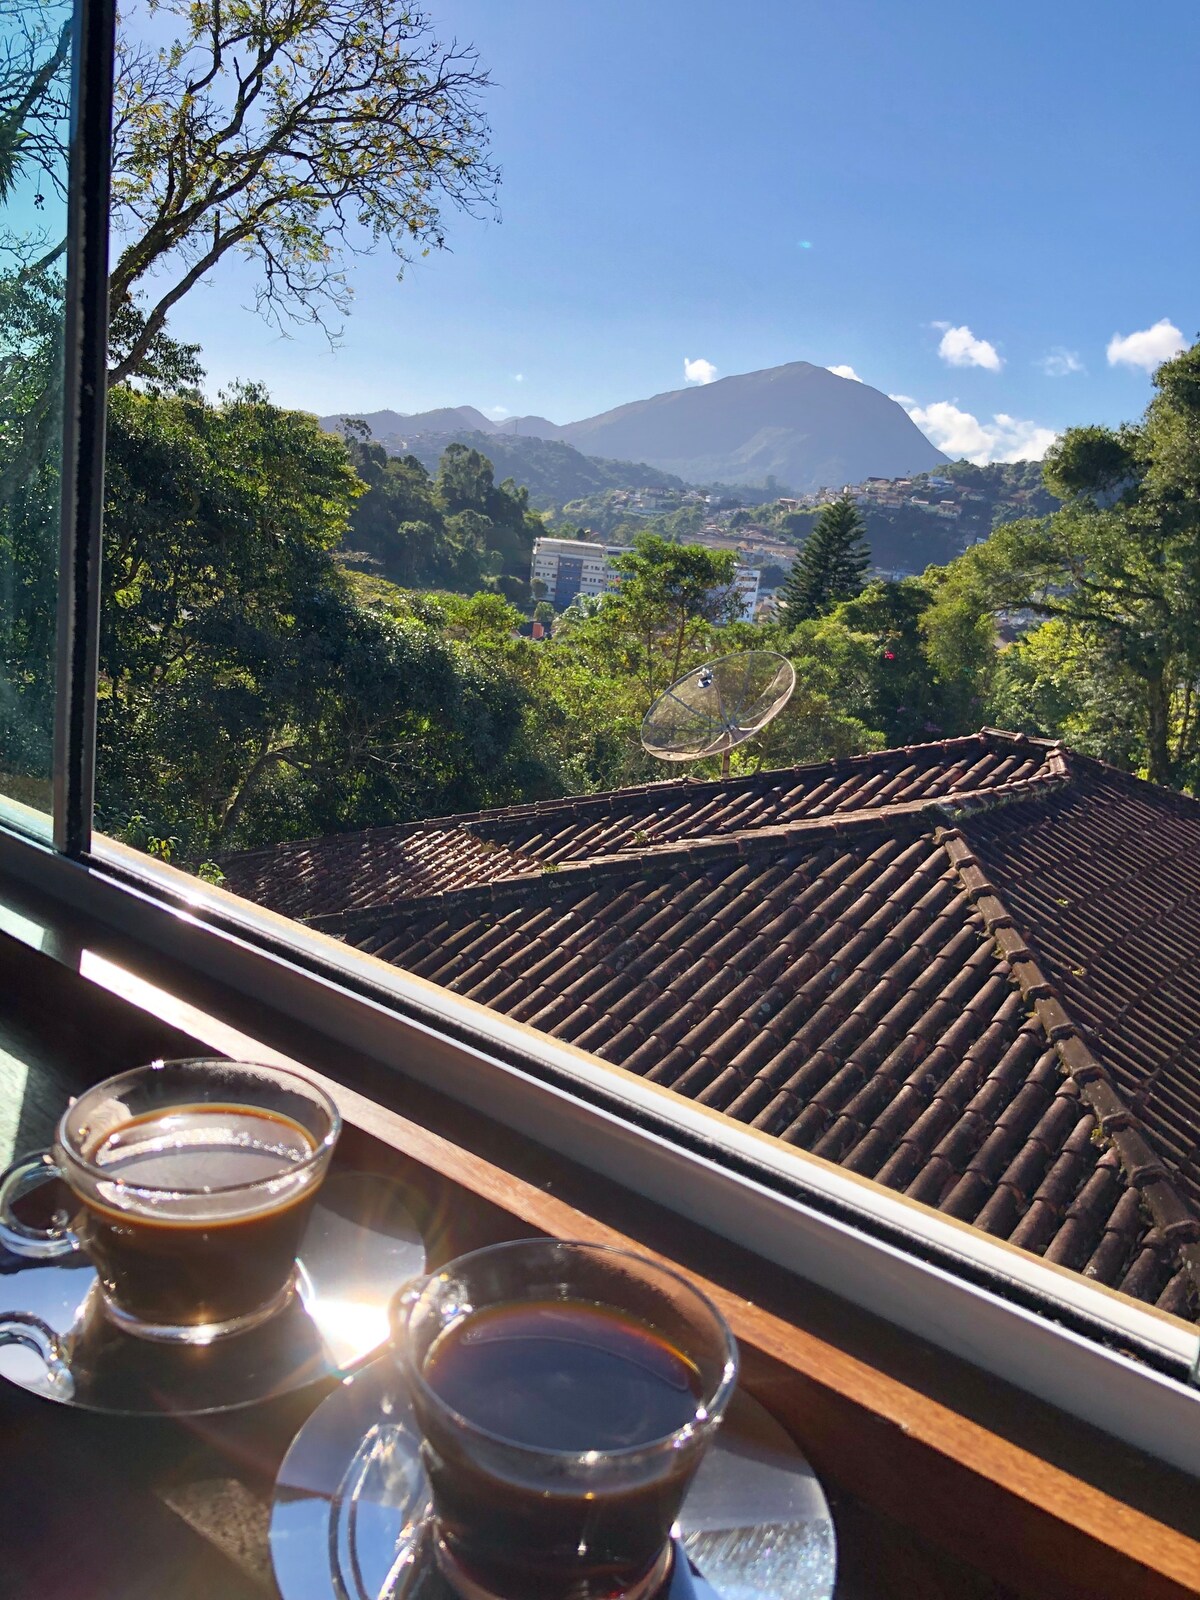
[930,493]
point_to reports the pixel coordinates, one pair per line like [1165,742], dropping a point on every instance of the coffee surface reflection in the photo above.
[195,1217]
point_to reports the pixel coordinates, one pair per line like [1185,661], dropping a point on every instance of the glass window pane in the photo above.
[35,84]
[645,726]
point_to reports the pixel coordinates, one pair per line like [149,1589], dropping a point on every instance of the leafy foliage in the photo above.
[249,691]
[33,98]
[30,457]
[1118,566]
[458,530]
[670,593]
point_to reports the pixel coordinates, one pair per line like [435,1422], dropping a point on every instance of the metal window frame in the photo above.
[84,392]
[1010,1314]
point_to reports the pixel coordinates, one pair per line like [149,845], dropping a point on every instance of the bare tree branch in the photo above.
[297,132]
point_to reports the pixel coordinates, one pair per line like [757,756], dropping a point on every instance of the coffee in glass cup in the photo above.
[566,1394]
[192,1183]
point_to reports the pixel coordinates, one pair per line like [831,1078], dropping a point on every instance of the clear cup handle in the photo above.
[35,1244]
[402,1302]
[31,1333]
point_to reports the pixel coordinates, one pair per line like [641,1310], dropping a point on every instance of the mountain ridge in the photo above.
[797,425]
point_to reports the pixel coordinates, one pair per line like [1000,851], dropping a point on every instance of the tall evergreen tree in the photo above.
[831,566]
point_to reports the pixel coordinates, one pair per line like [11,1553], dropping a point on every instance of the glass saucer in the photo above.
[361,1244]
[348,1519]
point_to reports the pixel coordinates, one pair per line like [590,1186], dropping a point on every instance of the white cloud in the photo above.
[497,413]
[1061,362]
[844,372]
[1147,348]
[904,400]
[960,348]
[698,371]
[959,433]
[518,377]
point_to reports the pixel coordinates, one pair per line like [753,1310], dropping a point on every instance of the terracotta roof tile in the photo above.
[969,970]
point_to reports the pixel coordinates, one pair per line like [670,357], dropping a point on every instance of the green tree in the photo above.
[832,565]
[905,694]
[33,99]
[1118,565]
[457,530]
[287,132]
[1059,678]
[465,480]
[250,690]
[668,593]
[30,454]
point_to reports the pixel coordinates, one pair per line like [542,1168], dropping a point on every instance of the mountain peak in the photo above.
[798,424]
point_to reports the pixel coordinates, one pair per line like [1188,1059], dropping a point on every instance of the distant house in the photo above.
[655,499]
[745,584]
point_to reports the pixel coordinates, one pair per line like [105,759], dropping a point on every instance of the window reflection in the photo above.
[35,51]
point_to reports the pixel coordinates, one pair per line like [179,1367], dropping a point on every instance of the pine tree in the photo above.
[831,566]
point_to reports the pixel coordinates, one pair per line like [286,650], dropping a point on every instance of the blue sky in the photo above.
[963,203]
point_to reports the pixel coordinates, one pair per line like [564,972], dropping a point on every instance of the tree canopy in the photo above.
[457,529]
[249,690]
[1118,567]
[667,592]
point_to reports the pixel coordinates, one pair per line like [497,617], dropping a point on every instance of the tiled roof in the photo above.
[365,869]
[969,970]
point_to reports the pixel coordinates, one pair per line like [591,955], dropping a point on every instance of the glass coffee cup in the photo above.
[565,1394]
[192,1182]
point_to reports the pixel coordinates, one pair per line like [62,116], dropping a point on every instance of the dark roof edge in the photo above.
[1144,1168]
[394,830]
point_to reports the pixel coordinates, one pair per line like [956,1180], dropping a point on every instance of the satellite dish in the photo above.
[718,706]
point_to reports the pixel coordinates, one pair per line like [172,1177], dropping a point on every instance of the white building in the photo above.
[573,567]
[746,581]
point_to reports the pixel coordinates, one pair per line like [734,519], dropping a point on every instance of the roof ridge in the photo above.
[1143,1166]
[517,886]
[895,755]
[699,848]
[617,800]
[1160,790]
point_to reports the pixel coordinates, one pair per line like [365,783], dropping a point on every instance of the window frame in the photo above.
[84,398]
[1038,1326]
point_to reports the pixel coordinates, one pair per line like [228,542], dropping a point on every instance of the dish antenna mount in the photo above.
[716,707]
